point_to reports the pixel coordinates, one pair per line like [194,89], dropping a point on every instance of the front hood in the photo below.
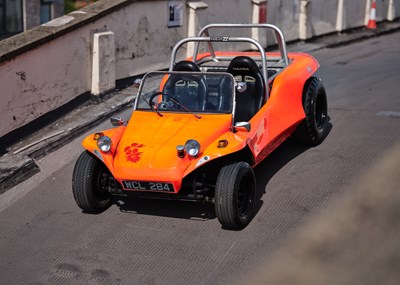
[147,149]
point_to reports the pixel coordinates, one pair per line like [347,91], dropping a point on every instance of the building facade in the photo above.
[17,16]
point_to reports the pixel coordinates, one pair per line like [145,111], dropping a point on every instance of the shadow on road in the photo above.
[286,152]
[205,211]
[169,208]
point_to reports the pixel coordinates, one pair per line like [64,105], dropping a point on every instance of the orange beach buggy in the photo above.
[198,130]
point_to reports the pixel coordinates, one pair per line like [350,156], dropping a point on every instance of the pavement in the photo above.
[18,163]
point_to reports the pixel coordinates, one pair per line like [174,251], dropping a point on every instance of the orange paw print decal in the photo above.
[132,152]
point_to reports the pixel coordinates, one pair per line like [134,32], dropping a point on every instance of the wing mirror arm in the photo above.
[242,127]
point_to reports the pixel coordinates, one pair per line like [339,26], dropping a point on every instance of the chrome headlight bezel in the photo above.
[104,143]
[192,148]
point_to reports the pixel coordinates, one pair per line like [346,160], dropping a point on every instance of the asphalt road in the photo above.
[46,239]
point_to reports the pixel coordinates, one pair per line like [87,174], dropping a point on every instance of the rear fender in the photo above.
[284,109]
[288,86]
[90,144]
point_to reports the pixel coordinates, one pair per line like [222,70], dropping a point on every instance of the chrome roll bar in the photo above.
[278,34]
[223,39]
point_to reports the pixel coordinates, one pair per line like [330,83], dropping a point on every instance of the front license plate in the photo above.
[148,186]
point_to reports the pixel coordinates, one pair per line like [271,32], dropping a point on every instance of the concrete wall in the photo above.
[285,15]
[323,16]
[50,65]
[396,5]
[394,10]
[355,13]
[381,9]
[143,41]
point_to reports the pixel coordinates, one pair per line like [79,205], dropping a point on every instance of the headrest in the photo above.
[243,65]
[186,66]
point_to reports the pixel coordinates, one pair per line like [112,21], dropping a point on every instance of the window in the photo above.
[45,11]
[10,17]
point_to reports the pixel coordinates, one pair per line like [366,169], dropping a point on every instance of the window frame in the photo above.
[5,33]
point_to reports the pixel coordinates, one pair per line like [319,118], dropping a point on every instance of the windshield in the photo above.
[191,92]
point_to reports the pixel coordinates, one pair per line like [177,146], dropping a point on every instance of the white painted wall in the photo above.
[42,79]
[143,41]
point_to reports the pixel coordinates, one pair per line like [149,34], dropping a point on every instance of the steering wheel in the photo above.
[163,105]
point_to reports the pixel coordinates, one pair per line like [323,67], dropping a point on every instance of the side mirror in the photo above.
[116,121]
[242,126]
[137,82]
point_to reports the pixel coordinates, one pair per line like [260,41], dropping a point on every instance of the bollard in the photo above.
[193,23]
[340,18]
[259,16]
[391,11]
[304,20]
[103,64]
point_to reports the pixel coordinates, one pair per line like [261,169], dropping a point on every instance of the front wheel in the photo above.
[235,193]
[313,129]
[90,183]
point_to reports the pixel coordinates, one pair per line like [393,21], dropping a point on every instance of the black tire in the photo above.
[313,129]
[235,192]
[90,182]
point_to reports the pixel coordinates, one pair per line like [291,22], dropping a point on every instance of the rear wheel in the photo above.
[235,193]
[90,183]
[313,129]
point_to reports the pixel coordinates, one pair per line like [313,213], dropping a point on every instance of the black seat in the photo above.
[186,65]
[250,92]
[190,91]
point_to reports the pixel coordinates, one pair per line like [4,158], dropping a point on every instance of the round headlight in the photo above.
[104,143]
[192,147]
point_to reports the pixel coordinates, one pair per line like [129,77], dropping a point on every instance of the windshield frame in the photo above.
[163,73]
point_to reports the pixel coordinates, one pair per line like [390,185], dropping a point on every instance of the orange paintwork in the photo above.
[160,136]
[108,158]
[145,150]
[283,111]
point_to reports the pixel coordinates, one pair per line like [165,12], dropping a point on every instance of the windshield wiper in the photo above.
[151,107]
[185,108]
